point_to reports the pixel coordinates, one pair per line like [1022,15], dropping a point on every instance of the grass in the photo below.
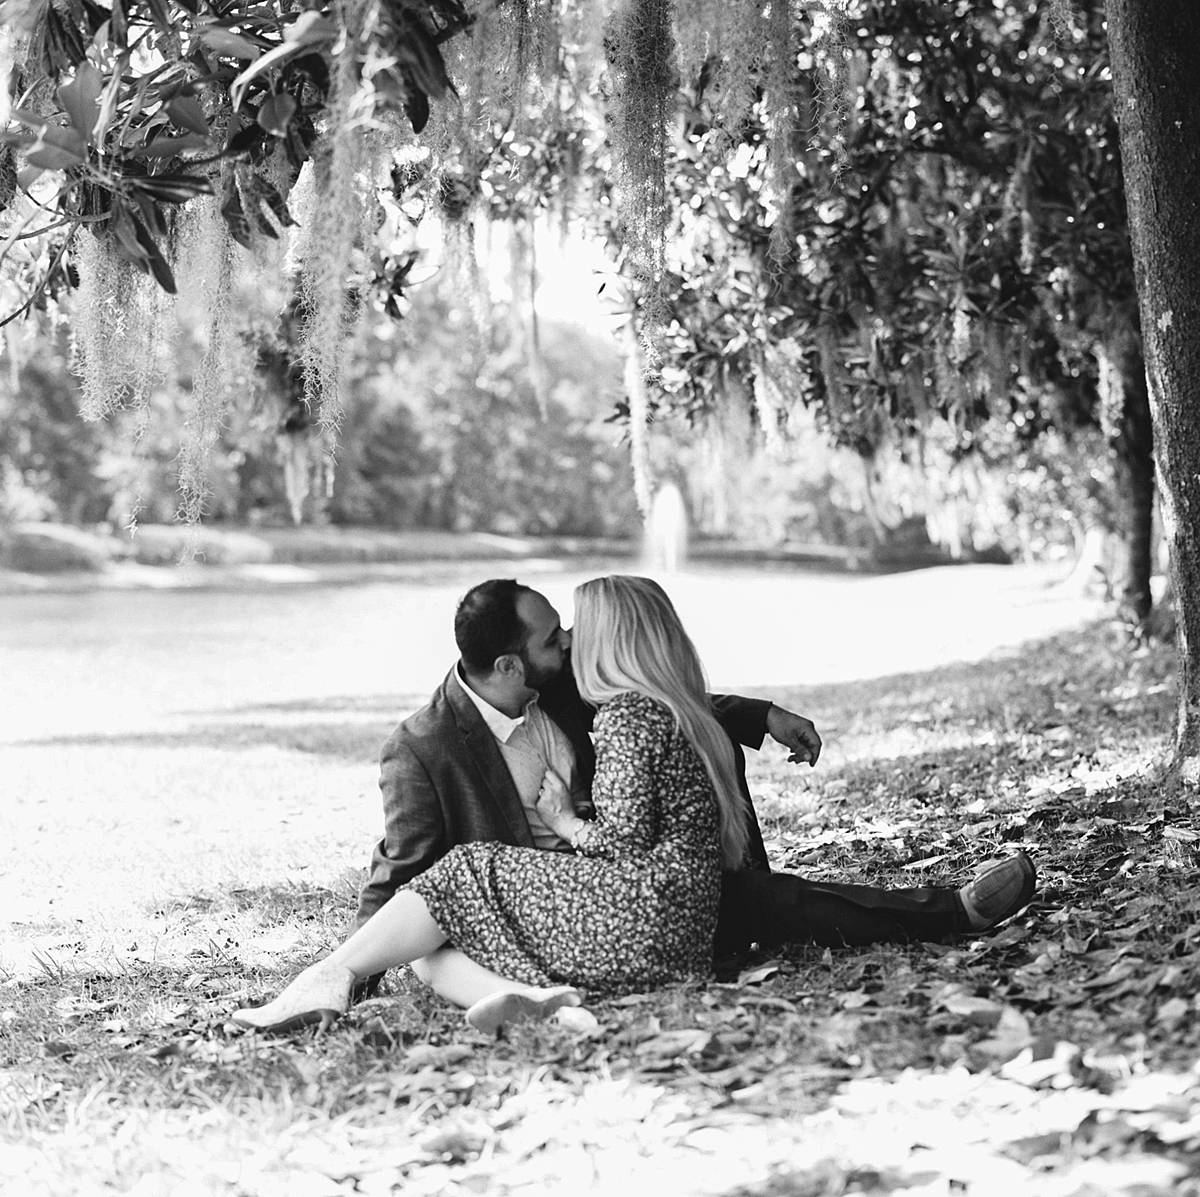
[1054,1056]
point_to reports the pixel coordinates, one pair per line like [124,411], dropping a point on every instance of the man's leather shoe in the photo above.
[999,890]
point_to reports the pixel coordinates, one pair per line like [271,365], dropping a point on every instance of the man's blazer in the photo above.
[444,781]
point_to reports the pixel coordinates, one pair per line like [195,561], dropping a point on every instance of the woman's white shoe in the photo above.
[320,994]
[490,1013]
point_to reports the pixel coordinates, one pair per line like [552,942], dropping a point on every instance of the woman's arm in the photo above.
[631,735]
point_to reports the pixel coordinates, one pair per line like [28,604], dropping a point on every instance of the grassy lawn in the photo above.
[154,884]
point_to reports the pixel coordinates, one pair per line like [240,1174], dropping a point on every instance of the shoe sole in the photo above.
[324,1018]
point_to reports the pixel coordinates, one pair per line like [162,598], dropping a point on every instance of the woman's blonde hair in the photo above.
[627,636]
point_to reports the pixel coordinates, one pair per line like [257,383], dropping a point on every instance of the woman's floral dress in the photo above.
[634,907]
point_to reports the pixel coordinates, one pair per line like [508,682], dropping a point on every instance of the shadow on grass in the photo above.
[308,726]
[344,741]
[272,903]
[1078,685]
[1105,960]
[385,706]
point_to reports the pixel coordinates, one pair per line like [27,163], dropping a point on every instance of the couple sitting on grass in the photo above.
[569,815]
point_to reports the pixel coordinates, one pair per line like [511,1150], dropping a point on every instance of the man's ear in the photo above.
[508,665]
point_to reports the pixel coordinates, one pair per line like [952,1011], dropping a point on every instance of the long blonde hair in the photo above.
[627,636]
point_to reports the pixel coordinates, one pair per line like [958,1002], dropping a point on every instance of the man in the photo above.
[469,766]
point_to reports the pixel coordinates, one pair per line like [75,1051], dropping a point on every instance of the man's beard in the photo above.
[538,677]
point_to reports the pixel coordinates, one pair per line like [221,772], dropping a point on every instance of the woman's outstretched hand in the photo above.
[555,807]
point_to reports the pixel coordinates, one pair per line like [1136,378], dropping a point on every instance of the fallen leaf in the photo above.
[577,1019]
[434,1055]
[1057,1069]
[856,999]
[756,976]
[1010,1036]
[981,1012]
[927,861]
[1186,834]
[1172,1012]
[672,1044]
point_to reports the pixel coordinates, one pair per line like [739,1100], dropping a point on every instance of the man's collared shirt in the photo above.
[530,744]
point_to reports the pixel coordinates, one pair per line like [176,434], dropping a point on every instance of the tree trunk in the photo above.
[1133,447]
[1155,48]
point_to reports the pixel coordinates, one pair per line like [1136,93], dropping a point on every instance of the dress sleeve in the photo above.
[631,737]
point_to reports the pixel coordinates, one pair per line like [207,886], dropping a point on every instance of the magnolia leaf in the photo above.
[121,226]
[57,148]
[63,41]
[171,188]
[187,113]
[8,177]
[237,89]
[119,24]
[244,139]
[268,195]
[81,100]
[226,42]
[420,54]
[162,15]
[416,107]
[170,147]
[235,216]
[48,157]
[109,99]
[31,120]
[275,113]
[158,264]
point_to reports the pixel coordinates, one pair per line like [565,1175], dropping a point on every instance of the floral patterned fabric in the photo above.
[635,906]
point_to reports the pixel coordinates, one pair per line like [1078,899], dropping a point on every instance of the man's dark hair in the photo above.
[486,624]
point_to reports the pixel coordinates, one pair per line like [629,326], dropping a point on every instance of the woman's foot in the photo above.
[490,1013]
[320,994]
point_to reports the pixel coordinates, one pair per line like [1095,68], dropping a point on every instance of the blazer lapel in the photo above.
[485,756]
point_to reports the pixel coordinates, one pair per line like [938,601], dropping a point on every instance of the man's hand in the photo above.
[795,733]
[555,807]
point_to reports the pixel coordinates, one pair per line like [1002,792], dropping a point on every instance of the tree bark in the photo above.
[1155,50]
[1133,446]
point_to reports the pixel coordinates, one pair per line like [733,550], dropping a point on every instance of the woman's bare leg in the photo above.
[457,978]
[401,931]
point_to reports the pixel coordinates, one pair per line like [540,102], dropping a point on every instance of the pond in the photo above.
[109,660]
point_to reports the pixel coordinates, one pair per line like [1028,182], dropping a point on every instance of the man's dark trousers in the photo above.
[775,908]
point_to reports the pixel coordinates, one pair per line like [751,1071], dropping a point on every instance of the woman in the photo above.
[635,905]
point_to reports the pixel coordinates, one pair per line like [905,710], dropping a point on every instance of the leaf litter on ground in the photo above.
[1057,1055]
